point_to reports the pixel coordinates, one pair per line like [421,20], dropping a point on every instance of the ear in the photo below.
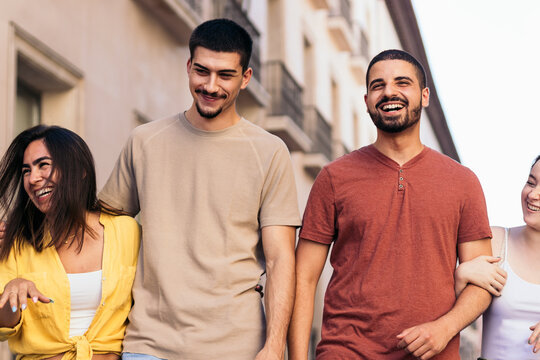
[425,97]
[365,100]
[246,76]
[188,65]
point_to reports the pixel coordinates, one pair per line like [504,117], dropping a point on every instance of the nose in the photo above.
[534,194]
[35,176]
[211,84]
[390,90]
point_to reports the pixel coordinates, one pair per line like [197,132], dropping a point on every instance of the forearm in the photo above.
[279,300]
[470,304]
[302,319]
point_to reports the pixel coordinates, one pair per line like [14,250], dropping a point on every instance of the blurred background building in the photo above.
[101,68]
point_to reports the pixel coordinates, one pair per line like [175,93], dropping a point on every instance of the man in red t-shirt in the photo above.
[395,211]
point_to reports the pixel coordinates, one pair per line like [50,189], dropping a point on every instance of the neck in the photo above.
[531,236]
[224,120]
[400,147]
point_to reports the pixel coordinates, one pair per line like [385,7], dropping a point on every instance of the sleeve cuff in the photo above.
[7,332]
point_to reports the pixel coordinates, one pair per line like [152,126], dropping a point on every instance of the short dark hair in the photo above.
[535,161]
[73,196]
[222,35]
[394,54]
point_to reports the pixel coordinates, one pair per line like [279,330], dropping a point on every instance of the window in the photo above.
[27,108]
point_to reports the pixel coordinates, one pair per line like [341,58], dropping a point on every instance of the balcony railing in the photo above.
[231,9]
[319,131]
[364,44]
[195,5]
[342,8]
[285,93]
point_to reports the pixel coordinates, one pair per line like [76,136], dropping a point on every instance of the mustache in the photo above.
[393,98]
[206,93]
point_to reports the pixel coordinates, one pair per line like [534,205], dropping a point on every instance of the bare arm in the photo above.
[278,246]
[427,340]
[310,260]
[484,271]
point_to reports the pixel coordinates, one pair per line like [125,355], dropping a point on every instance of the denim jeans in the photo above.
[133,356]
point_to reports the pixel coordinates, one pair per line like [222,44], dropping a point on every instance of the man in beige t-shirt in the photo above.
[218,207]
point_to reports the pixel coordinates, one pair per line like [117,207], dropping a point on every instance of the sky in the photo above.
[484,56]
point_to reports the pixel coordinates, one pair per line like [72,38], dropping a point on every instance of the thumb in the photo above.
[493,259]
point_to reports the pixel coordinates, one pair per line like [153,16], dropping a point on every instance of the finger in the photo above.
[500,279]
[417,347]
[534,336]
[498,286]
[428,355]
[23,295]
[493,259]
[422,350]
[404,333]
[409,337]
[503,273]
[13,301]
[493,291]
[36,295]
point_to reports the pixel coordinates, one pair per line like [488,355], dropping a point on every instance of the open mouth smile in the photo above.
[392,107]
[43,192]
[532,207]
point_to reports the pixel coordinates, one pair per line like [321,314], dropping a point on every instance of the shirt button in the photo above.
[400,170]
[400,186]
[400,178]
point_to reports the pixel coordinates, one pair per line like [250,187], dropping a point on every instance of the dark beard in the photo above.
[208,115]
[392,124]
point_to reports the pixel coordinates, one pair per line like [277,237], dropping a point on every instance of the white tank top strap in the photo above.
[504,249]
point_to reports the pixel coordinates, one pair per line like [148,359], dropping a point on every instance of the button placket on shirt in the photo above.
[401,185]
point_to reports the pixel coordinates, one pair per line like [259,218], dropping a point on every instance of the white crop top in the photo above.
[85,298]
[506,322]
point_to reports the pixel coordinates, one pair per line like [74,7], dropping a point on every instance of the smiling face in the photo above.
[38,179]
[215,79]
[394,97]
[530,198]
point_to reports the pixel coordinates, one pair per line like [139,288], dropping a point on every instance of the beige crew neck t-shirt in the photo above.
[202,197]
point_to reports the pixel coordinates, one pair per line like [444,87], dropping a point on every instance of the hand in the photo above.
[425,340]
[267,354]
[534,339]
[17,291]
[484,272]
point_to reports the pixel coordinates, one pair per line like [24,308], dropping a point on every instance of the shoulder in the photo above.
[497,241]
[450,167]
[153,128]
[124,225]
[259,135]
[362,157]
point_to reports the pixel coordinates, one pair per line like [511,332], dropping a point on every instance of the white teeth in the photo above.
[390,107]
[532,207]
[43,192]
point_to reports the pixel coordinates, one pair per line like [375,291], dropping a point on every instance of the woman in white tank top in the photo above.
[511,325]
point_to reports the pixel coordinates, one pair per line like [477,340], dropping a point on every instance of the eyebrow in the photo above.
[532,176]
[398,78]
[375,81]
[220,71]
[37,161]
[404,78]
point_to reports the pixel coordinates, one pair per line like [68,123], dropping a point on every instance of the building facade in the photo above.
[102,68]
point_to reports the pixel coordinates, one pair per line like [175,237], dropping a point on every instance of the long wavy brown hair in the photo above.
[73,196]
